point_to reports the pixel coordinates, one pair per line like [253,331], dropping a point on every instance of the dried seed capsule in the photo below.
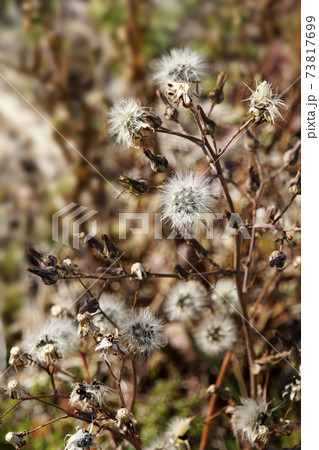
[277,259]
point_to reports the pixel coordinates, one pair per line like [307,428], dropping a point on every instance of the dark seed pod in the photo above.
[277,259]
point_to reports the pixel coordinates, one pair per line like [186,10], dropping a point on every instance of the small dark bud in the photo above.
[40,260]
[158,162]
[277,259]
[251,143]
[253,181]
[136,186]
[111,250]
[49,276]
[209,126]
[182,272]
[171,113]
[91,306]
[217,95]
[92,242]
[152,120]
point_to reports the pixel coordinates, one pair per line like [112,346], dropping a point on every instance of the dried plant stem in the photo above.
[219,380]
[243,127]
[134,384]
[46,424]
[117,380]
[284,209]
[85,368]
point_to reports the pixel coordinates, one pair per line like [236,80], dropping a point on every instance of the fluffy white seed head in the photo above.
[249,419]
[225,288]
[15,389]
[185,199]
[115,308]
[142,333]
[178,427]
[216,334]
[52,342]
[127,120]
[185,301]
[183,66]
[264,103]
[82,439]
[89,396]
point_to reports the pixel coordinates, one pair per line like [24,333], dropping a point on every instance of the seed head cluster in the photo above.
[249,420]
[265,104]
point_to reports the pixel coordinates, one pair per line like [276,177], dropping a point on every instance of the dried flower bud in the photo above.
[123,416]
[16,439]
[111,343]
[18,358]
[89,396]
[158,162]
[111,250]
[92,242]
[171,113]
[139,271]
[182,272]
[153,121]
[14,389]
[136,186]
[293,391]
[91,306]
[69,267]
[40,260]
[295,185]
[277,259]
[253,182]
[49,275]
[177,92]
[86,325]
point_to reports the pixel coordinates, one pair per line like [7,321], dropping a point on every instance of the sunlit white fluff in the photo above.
[249,419]
[89,396]
[216,334]
[142,333]
[225,297]
[185,301]
[52,341]
[180,66]
[82,439]
[185,199]
[127,122]
[177,430]
[264,103]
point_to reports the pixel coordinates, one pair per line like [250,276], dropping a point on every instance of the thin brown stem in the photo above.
[134,384]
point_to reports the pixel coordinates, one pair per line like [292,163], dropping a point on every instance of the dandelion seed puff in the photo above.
[89,396]
[249,419]
[115,308]
[128,119]
[52,341]
[216,334]
[264,103]
[225,288]
[142,333]
[177,430]
[180,66]
[185,301]
[185,199]
[82,439]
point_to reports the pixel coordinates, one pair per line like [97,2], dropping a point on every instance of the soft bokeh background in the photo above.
[71,59]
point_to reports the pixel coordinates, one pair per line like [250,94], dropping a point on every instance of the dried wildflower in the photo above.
[89,396]
[82,439]
[138,270]
[91,306]
[16,439]
[185,199]
[293,390]
[86,325]
[264,103]
[124,415]
[249,419]
[111,343]
[18,358]
[128,120]
[142,333]
[225,297]
[216,334]
[277,259]
[14,389]
[180,66]
[158,162]
[114,308]
[179,92]
[176,433]
[136,186]
[53,341]
[185,301]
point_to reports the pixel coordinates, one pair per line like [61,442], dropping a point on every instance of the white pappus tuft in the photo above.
[225,297]
[89,396]
[176,433]
[264,103]
[185,199]
[53,341]
[82,439]
[216,334]
[142,333]
[185,301]
[180,66]
[249,419]
[115,308]
[127,121]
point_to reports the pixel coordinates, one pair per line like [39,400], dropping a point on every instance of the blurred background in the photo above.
[71,59]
